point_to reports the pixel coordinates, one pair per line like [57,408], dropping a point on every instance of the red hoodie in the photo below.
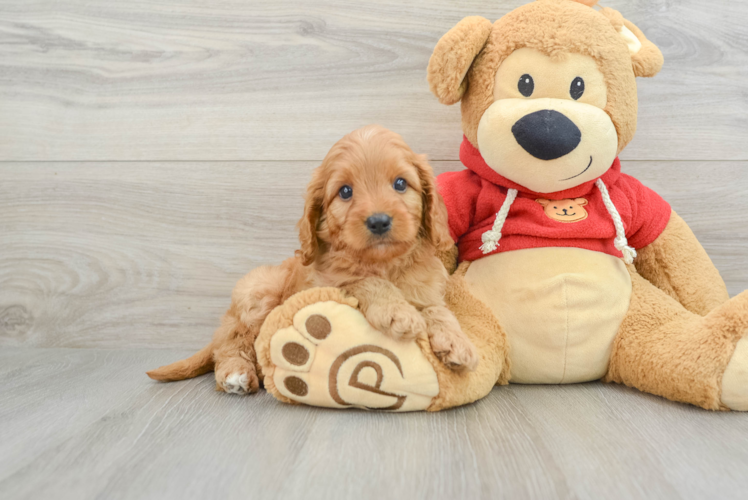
[474,196]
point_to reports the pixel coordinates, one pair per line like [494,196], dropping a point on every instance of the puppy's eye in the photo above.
[400,185]
[346,192]
[526,85]
[577,88]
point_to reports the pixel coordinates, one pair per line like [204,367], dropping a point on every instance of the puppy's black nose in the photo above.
[379,224]
[547,134]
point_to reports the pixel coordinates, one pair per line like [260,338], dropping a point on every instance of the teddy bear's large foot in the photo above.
[318,350]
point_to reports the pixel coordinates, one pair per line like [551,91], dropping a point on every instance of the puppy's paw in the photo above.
[453,349]
[236,377]
[399,320]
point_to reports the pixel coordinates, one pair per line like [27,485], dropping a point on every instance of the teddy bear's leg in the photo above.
[484,331]
[664,349]
[677,264]
[318,349]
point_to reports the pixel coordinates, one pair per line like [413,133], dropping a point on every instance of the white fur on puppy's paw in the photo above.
[236,383]
[331,356]
[236,377]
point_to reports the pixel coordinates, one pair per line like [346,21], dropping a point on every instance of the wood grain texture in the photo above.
[152,152]
[87,423]
[282,80]
[145,254]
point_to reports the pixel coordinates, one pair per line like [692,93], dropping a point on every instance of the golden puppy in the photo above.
[373,224]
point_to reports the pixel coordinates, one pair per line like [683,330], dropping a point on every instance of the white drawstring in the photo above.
[620,242]
[491,238]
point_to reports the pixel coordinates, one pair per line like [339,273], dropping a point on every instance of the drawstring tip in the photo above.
[488,247]
[629,254]
[491,237]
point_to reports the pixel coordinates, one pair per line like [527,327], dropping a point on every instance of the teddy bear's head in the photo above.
[548,91]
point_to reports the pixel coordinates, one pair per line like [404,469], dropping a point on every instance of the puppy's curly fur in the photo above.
[397,276]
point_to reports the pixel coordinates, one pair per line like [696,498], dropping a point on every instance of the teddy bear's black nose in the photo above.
[547,134]
[379,224]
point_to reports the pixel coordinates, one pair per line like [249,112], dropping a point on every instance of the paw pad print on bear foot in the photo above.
[332,357]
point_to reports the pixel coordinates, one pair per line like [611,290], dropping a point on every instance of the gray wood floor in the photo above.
[83,423]
[151,153]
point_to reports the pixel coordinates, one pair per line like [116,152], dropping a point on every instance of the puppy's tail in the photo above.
[199,363]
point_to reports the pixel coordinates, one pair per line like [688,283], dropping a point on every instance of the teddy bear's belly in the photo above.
[561,309]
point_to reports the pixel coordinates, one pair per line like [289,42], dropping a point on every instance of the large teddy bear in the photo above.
[570,271]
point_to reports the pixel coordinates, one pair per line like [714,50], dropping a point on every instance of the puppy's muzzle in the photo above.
[379,224]
[547,134]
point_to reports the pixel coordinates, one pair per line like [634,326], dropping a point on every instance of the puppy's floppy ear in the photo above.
[646,58]
[453,56]
[307,226]
[434,224]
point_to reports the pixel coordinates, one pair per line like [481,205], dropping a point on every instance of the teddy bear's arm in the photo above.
[449,259]
[677,264]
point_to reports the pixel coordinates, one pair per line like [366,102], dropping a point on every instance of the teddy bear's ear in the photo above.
[543,202]
[580,201]
[453,56]
[646,58]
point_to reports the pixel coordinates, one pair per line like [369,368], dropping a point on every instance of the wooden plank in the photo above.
[146,254]
[150,250]
[283,80]
[87,423]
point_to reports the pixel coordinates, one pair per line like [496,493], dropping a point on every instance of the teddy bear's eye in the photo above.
[526,85]
[577,88]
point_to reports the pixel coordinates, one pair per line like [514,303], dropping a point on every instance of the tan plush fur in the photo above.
[666,350]
[453,56]
[649,60]
[449,259]
[397,277]
[677,264]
